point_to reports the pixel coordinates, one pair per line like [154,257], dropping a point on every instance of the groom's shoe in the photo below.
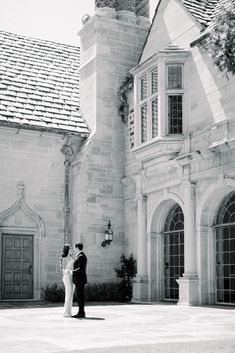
[79,316]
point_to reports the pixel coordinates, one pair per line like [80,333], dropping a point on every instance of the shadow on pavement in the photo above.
[90,318]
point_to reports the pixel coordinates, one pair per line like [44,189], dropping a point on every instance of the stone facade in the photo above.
[195,171]
[110,45]
[161,190]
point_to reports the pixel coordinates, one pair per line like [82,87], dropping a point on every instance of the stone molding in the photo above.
[20,203]
[211,199]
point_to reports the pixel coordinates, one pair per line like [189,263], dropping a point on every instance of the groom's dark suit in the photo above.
[80,279]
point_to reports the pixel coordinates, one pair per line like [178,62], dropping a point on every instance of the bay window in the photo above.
[160,96]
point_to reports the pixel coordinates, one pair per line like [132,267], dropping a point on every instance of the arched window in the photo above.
[173,251]
[225,250]
[175,220]
[226,213]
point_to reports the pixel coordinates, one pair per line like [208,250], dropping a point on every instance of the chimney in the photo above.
[140,7]
[127,5]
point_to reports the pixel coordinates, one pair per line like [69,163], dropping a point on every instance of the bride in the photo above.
[66,265]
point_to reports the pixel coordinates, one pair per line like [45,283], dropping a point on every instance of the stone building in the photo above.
[41,128]
[154,155]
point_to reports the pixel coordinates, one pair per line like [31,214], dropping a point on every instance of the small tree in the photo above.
[126,274]
[221,41]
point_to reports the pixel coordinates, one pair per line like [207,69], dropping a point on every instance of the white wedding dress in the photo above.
[67,267]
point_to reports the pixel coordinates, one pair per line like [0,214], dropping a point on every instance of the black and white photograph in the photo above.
[117,176]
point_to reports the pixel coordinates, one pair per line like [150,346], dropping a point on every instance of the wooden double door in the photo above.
[17,266]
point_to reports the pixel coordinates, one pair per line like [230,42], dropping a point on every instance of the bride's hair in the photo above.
[64,253]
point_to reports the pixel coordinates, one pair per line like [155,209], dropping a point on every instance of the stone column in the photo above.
[188,284]
[190,269]
[140,285]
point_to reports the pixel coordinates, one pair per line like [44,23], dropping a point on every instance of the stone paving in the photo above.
[117,329]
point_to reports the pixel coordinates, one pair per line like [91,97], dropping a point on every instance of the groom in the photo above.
[80,278]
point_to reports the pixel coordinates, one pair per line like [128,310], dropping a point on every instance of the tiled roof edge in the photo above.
[39,39]
[43,129]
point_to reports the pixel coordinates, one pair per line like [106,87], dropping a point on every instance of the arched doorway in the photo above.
[225,250]
[173,252]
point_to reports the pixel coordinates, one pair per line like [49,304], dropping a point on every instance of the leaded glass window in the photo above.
[226,213]
[175,219]
[225,250]
[143,87]
[173,252]
[175,76]
[154,80]
[174,87]
[155,117]
[175,114]
[148,105]
[144,123]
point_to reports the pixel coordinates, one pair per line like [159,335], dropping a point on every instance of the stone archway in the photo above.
[156,225]
[21,232]
[205,221]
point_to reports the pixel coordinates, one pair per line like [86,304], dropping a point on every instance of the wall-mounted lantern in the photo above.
[108,236]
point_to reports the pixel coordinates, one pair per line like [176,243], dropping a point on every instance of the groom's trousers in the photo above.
[80,299]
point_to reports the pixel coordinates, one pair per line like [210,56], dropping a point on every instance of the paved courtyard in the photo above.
[118,329]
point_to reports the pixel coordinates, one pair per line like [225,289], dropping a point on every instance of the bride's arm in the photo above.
[62,264]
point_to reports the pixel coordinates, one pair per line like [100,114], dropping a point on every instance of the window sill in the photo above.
[162,146]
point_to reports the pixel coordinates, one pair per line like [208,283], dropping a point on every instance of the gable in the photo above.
[181,22]
[171,24]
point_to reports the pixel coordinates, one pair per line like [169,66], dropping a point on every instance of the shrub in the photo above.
[102,292]
[126,274]
[221,41]
[53,293]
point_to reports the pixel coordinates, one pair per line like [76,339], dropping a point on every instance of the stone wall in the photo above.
[109,48]
[36,160]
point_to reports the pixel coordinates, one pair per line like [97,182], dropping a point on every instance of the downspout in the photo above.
[71,148]
[67,150]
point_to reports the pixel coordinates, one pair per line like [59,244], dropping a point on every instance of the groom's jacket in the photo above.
[79,273]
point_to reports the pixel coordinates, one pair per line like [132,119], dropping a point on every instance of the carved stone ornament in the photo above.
[123,109]
[21,204]
[67,150]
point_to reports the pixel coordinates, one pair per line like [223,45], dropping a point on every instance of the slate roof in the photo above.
[39,85]
[204,11]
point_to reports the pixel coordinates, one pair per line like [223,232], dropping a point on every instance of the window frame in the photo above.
[148,100]
[174,92]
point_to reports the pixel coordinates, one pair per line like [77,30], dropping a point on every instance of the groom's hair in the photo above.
[79,246]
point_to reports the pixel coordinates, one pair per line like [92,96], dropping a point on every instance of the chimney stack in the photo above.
[139,7]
